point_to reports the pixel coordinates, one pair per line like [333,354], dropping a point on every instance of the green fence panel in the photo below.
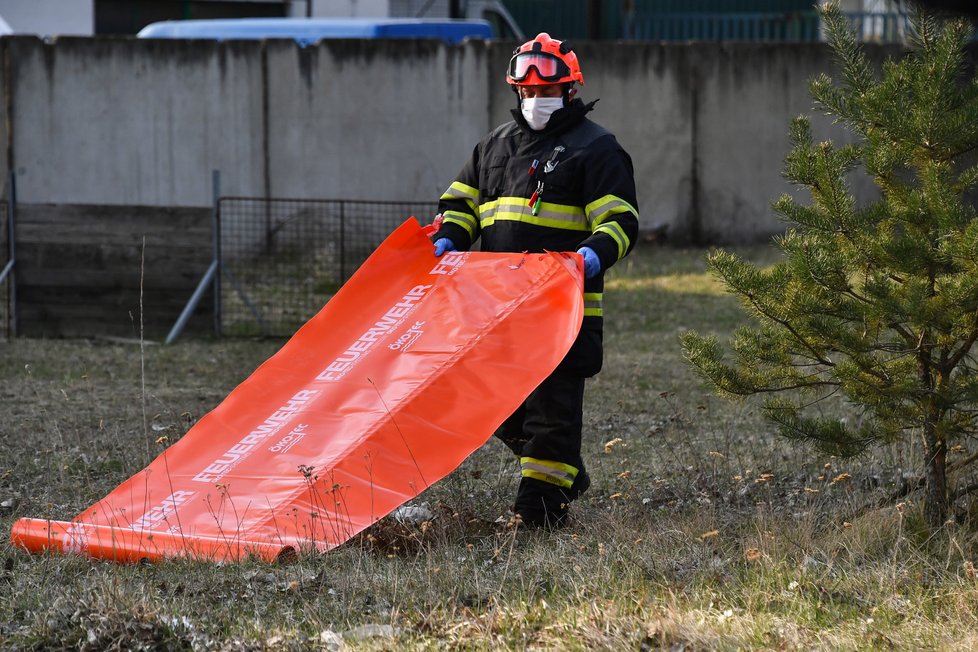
[695,20]
[667,19]
[725,27]
[643,7]
[562,19]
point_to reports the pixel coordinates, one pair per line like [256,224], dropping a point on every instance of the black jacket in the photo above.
[587,196]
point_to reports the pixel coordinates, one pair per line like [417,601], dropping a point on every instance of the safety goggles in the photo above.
[549,67]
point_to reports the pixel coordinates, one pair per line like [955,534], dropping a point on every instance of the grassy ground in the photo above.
[702,530]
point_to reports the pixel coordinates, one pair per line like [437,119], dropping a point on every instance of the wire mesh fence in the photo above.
[282,259]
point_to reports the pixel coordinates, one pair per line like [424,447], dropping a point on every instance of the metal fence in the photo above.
[778,27]
[767,27]
[698,20]
[282,259]
[880,28]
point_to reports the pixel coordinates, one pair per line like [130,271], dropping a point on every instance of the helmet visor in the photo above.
[549,68]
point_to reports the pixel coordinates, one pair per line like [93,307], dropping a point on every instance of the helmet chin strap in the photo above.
[569,92]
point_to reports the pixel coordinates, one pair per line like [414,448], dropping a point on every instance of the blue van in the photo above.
[307,31]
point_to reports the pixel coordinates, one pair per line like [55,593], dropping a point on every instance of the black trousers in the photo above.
[547,426]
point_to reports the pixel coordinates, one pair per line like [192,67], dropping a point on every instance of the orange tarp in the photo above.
[406,371]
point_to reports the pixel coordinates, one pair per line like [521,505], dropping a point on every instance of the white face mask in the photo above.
[537,110]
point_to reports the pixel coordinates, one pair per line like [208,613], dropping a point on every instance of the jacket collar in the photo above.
[561,120]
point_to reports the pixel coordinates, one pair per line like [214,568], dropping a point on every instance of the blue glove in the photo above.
[592,264]
[442,245]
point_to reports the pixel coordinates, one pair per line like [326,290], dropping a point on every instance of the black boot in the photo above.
[581,484]
[541,504]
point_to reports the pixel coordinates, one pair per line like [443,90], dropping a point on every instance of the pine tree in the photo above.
[876,303]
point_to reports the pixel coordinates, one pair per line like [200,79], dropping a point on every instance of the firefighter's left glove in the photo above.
[592,264]
[442,245]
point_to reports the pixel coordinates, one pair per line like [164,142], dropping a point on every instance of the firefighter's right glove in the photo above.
[442,245]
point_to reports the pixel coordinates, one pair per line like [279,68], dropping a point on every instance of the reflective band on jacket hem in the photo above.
[556,473]
[555,216]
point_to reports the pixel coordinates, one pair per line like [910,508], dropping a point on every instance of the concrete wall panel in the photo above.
[645,98]
[747,98]
[389,120]
[126,121]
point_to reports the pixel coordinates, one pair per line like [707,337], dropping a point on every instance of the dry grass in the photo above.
[702,529]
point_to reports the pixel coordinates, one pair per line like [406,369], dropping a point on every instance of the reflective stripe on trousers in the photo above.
[556,473]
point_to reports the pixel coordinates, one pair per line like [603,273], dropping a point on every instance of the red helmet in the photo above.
[543,61]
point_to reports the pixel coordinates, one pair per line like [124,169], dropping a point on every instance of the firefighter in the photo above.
[551,180]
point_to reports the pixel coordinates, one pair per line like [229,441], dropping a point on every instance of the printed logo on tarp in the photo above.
[291,439]
[450,263]
[383,327]
[409,337]
[161,512]
[271,425]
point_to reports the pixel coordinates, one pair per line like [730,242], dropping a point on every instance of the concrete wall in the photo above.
[372,120]
[746,98]
[128,121]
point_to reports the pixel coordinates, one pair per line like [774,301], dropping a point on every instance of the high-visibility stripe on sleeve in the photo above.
[556,473]
[592,304]
[600,214]
[464,220]
[601,209]
[517,209]
[459,190]
[617,234]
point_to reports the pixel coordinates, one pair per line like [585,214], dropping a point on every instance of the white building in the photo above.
[48,17]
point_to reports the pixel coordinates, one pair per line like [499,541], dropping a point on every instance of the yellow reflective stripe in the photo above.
[601,209]
[556,473]
[592,304]
[504,208]
[459,190]
[617,234]
[555,216]
[464,220]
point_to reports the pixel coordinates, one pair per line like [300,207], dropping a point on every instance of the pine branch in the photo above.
[844,44]
[791,329]
[831,436]
[965,347]
[908,336]
[807,386]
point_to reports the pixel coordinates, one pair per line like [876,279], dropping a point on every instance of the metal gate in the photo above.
[282,259]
